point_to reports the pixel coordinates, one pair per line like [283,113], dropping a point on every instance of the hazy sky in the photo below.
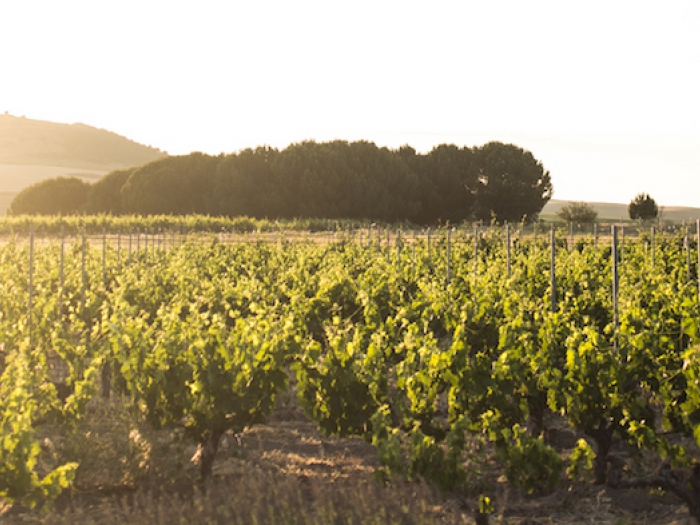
[605,93]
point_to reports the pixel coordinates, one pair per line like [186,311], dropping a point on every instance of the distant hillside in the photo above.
[612,211]
[34,150]
[37,142]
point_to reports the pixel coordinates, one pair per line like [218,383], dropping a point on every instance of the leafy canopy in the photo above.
[578,212]
[643,207]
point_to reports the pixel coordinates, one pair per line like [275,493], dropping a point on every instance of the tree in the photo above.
[446,176]
[512,185]
[171,185]
[578,213]
[245,184]
[643,207]
[105,194]
[56,196]
[338,179]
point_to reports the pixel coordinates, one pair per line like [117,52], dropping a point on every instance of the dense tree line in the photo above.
[358,180]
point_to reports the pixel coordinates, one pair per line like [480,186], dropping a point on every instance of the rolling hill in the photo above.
[34,150]
[618,212]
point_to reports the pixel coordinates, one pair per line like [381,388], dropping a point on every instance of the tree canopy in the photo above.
[172,185]
[338,179]
[56,196]
[512,184]
[105,195]
[578,213]
[643,207]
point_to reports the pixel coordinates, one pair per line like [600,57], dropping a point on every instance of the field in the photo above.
[435,379]
[15,177]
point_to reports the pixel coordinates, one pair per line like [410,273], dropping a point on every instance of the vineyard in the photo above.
[429,347]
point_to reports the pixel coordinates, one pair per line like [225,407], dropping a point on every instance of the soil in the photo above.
[289,446]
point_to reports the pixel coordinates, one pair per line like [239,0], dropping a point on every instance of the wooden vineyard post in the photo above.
[508,251]
[449,255]
[388,245]
[413,249]
[534,235]
[615,282]
[553,270]
[571,235]
[104,257]
[686,242]
[428,243]
[476,253]
[653,247]
[61,264]
[621,249]
[399,245]
[83,273]
[30,299]
[595,237]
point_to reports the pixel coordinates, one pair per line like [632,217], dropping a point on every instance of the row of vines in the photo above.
[413,347]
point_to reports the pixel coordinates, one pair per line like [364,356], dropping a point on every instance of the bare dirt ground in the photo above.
[291,444]
[295,447]
[287,458]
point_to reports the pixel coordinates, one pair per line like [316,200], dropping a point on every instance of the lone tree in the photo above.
[643,207]
[578,213]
